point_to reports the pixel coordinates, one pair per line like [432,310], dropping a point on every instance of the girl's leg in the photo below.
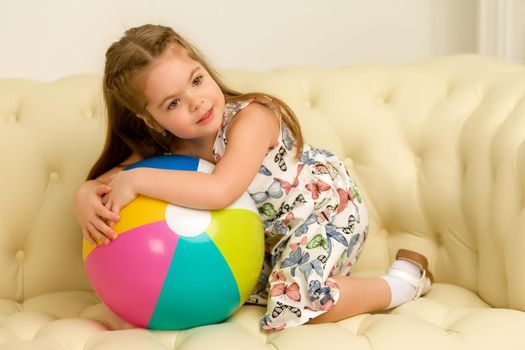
[407,279]
[357,296]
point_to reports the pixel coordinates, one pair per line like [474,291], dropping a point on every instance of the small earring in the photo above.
[164,133]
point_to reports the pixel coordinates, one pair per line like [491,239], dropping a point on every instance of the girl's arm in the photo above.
[250,135]
[95,219]
[107,176]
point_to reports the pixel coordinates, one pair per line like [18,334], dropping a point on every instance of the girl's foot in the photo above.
[408,277]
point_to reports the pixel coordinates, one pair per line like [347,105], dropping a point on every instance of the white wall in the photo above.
[502,29]
[52,38]
[518,31]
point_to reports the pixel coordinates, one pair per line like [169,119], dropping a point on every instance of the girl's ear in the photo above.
[151,123]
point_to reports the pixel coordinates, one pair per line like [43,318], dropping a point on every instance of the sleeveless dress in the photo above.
[315,224]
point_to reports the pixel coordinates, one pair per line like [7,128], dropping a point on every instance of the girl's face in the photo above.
[181,96]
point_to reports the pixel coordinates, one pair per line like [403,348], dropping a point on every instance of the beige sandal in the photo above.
[421,285]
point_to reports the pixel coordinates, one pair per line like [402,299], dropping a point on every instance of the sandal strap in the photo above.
[415,258]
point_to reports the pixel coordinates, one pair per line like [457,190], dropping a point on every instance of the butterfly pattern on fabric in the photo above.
[315,224]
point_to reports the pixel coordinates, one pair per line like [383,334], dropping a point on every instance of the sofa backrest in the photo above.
[437,148]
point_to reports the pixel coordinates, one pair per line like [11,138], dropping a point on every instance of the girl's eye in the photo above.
[198,80]
[173,104]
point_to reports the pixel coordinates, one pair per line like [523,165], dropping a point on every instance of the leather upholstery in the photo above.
[437,148]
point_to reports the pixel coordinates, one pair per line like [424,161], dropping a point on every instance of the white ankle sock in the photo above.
[401,290]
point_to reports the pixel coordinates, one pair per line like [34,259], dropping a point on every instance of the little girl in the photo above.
[163,98]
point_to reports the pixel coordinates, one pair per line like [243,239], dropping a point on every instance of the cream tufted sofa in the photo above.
[438,148]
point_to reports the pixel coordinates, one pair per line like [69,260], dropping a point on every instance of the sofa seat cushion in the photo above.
[448,317]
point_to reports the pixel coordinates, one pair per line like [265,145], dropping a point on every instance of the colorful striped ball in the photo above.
[173,267]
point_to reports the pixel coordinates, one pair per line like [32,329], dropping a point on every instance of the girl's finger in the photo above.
[102,190]
[87,237]
[107,214]
[115,208]
[103,228]
[110,205]
[97,235]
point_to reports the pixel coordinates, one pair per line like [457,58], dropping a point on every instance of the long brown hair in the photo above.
[126,133]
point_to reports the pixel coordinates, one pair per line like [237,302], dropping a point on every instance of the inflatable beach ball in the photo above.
[175,268]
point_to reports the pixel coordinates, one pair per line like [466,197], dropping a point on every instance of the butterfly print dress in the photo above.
[315,224]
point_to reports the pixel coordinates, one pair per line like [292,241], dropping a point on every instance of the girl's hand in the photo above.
[91,213]
[122,191]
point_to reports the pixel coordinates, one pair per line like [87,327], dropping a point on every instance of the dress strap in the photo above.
[232,108]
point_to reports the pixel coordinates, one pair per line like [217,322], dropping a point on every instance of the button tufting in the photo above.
[383,99]
[308,104]
[20,254]
[439,239]
[53,176]
[12,118]
[349,161]
[89,113]
[418,160]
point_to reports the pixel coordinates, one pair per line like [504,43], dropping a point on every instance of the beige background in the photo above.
[52,38]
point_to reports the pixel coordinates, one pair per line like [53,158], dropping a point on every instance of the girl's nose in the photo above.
[196,102]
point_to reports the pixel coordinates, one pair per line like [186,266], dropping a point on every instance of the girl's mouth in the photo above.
[206,117]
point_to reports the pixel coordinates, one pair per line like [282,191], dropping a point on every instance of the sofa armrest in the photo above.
[515,242]
[495,136]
